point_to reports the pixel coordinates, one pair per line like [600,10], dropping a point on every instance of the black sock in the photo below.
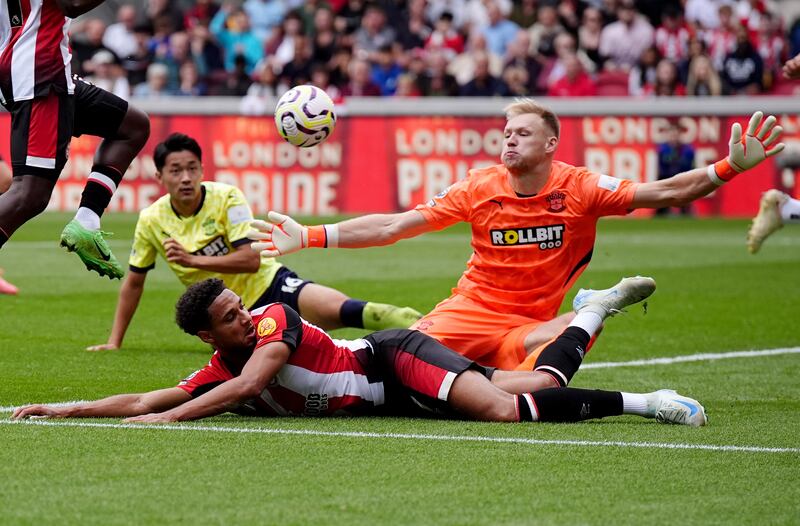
[352,313]
[562,358]
[568,404]
[100,188]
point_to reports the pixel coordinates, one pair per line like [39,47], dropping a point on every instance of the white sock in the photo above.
[634,404]
[790,210]
[588,321]
[88,218]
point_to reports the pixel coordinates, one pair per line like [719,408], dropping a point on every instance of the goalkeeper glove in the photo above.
[281,235]
[745,153]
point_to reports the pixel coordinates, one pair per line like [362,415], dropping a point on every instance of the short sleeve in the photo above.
[143,253]
[279,323]
[237,217]
[205,379]
[606,195]
[450,206]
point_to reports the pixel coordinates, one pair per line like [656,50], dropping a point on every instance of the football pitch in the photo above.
[714,303]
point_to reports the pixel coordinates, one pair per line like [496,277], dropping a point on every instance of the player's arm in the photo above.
[242,260]
[759,142]
[281,234]
[124,405]
[5,176]
[129,295]
[75,8]
[262,366]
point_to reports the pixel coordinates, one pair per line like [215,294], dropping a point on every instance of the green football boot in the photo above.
[380,316]
[92,249]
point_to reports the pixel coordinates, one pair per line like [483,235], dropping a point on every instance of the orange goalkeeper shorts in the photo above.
[484,335]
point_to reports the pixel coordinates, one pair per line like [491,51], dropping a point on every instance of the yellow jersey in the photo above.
[216,229]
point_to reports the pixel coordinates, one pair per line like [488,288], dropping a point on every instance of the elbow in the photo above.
[249,390]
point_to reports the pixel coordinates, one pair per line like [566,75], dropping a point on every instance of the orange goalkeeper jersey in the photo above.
[528,251]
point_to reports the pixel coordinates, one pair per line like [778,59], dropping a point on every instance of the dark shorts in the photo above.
[41,128]
[417,372]
[285,288]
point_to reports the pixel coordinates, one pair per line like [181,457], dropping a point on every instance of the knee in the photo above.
[500,410]
[136,126]
[28,204]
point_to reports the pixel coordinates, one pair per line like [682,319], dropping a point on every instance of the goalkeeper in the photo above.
[533,223]
[200,229]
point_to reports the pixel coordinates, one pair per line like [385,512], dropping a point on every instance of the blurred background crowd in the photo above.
[257,49]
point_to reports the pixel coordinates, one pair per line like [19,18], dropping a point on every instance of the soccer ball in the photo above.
[304,116]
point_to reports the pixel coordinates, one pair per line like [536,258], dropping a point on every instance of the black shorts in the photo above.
[285,288]
[41,128]
[417,372]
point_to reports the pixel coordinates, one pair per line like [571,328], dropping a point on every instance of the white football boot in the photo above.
[668,407]
[768,219]
[608,302]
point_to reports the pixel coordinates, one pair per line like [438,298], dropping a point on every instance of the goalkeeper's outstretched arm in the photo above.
[281,234]
[759,142]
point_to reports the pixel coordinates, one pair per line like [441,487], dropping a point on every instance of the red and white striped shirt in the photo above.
[322,376]
[34,50]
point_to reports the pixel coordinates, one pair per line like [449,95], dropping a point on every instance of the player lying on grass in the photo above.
[271,362]
[775,209]
[533,223]
[200,229]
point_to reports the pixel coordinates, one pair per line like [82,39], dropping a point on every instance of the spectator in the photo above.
[644,72]
[231,28]
[120,37]
[456,7]
[568,11]
[703,80]
[463,66]
[772,48]
[566,47]
[702,14]
[308,10]
[674,157]
[281,47]
[697,48]
[373,34]
[667,83]
[544,31]
[438,82]
[407,86]
[413,29]
[360,84]
[589,35]
[385,71]
[325,39]
[206,53]
[165,10]
[86,42]
[321,78]
[157,83]
[189,82]
[484,84]
[743,69]
[174,55]
[339,67]
[135,65]
[721,41]
[517,56]
[235,83]
[348,19]
[298,71]
[523,13]
[445,38]
[500,31]
[624,41]
[108,75]
[575,82]
[516,78]
[672,36]
[199,13]
[262,91]
[264,16]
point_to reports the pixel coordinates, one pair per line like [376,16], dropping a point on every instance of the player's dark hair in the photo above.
[191,311]
[176,142]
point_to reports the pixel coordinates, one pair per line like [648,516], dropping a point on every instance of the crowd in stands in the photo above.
[259,48]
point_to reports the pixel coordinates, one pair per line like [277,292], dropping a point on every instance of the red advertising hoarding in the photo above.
[386,164]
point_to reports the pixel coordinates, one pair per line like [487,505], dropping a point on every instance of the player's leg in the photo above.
[124,130]
[775,209]
[547,331]
[40,133]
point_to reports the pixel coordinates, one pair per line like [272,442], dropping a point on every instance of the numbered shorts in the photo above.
[41,128]
[417,372]
[285,288]
[482,334]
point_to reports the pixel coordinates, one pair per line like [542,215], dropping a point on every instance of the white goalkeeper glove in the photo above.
[745,153]
[281,235]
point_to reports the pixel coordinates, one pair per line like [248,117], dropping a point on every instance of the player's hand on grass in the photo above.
[103,347]
[175,253]
[151,418]
[278,236]
[29,411]
[758,143]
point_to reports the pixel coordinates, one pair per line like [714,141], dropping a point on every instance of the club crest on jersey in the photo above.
[555,201]
[209,226]
[441,194]
[547,237]
[266,327]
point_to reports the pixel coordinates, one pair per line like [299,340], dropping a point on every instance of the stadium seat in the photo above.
[612,84]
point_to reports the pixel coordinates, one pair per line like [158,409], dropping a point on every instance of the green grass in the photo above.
[712,297]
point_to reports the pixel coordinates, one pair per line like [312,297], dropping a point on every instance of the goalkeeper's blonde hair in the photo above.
[524,105]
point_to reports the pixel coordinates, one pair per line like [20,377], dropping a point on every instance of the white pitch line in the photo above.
[693,358]
[599,365]
[410,436]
